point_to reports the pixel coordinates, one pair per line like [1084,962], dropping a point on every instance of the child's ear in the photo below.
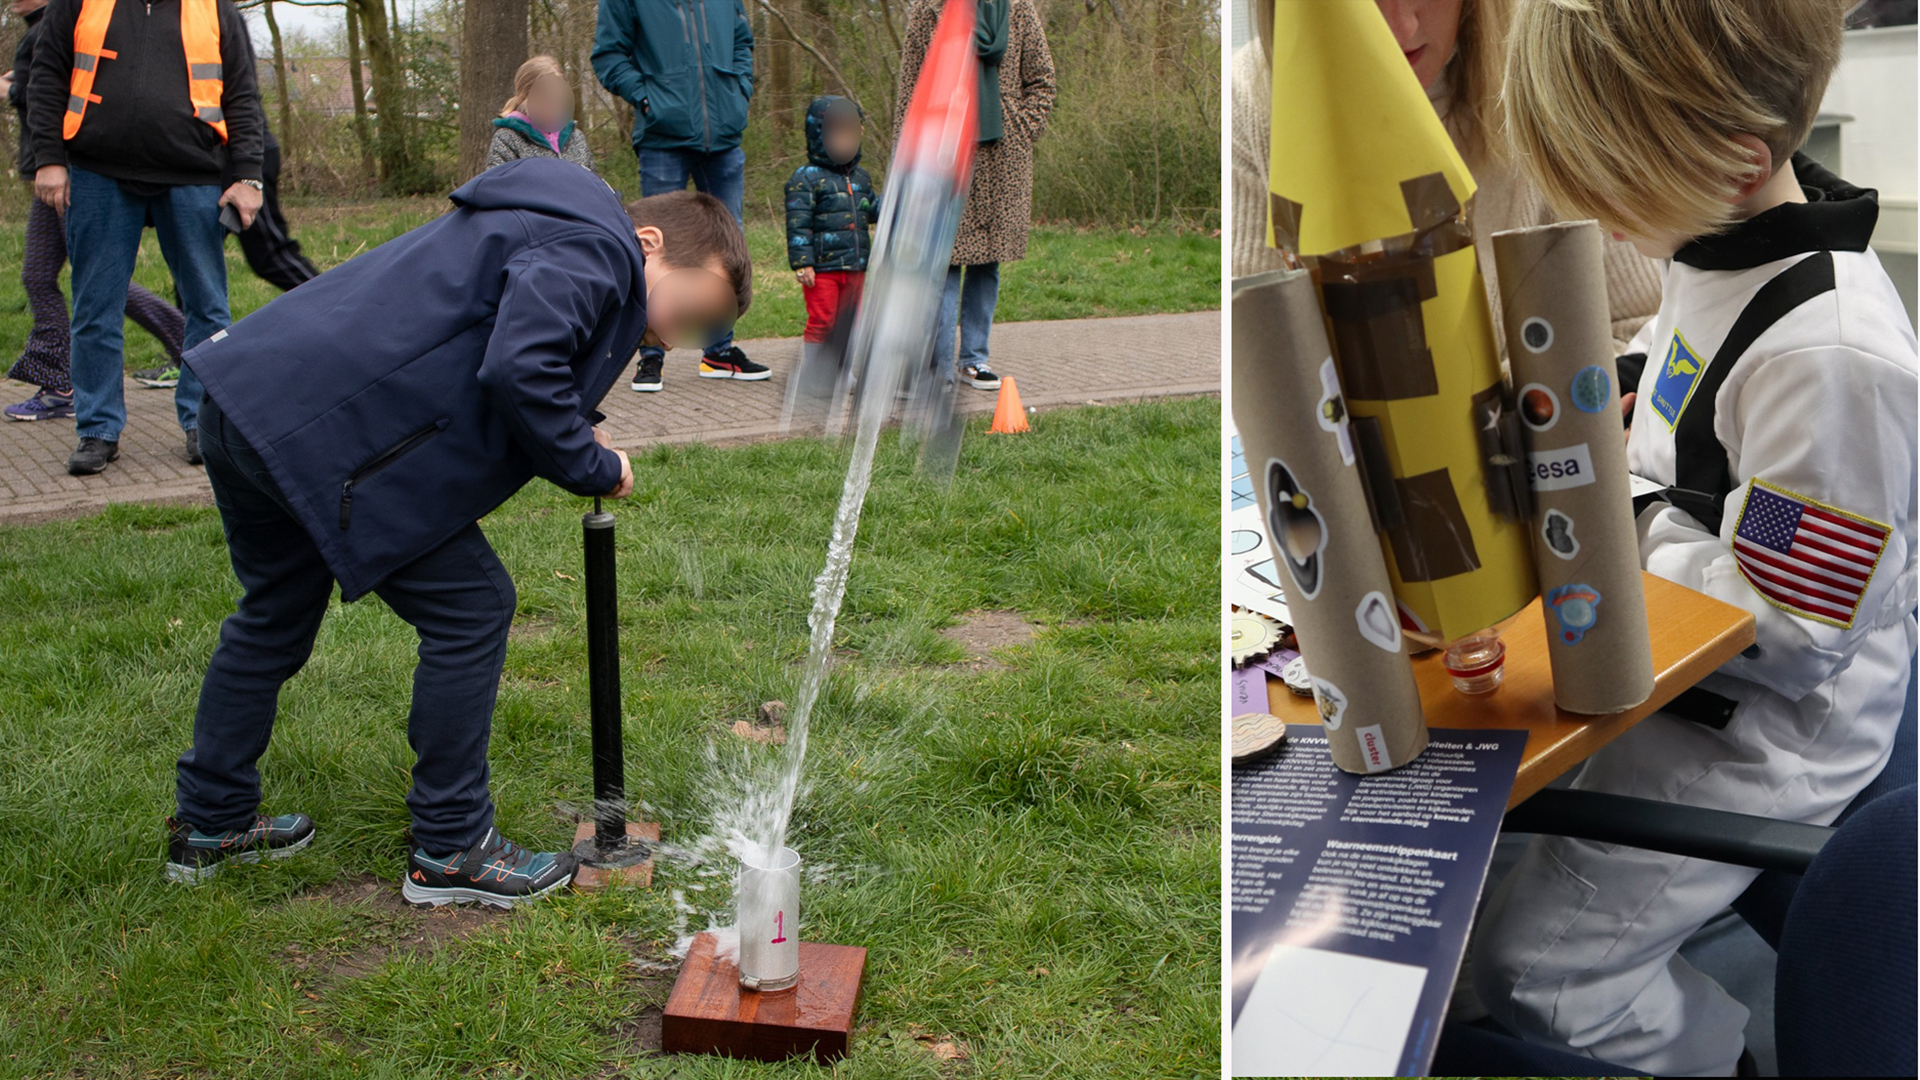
[650,240]
[1762,158]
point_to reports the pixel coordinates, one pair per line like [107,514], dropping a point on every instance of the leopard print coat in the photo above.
[993,228]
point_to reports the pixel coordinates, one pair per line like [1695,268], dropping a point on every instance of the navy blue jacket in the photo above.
[830,207]
[403,395]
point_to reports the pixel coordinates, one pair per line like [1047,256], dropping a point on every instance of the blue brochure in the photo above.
[1352,897]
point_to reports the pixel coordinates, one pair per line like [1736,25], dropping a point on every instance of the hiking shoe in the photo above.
[164,377]
[494,871]
[192,450]
[194,856]
[45,405]
[646,377]
[979,376]
[733,364]
[92,456]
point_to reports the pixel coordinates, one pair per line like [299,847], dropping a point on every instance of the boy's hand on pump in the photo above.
[625,487]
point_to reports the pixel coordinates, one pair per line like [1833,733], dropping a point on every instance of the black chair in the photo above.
[1845,991]
[1764,904]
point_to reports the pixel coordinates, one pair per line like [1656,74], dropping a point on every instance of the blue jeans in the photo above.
[457,597]
[103,239]
[721,174]
[974,304]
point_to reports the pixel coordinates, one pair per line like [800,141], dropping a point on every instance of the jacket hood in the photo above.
[817,131]
[526,128]
[548,185]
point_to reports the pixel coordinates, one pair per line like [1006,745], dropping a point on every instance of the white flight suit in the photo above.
[1577,946]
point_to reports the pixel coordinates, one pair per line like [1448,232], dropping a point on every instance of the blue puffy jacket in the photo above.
[401,396]
[830,208]
[686,67]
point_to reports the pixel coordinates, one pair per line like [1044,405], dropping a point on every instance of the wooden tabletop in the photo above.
[1692,635]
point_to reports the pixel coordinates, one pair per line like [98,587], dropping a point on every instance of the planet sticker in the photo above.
[1536,334]
[1539,406]
[1591,388]
[1573,606]
[1297,528]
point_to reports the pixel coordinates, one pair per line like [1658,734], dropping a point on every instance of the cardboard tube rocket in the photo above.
[1366,186]
[1302,459]
[1554,294]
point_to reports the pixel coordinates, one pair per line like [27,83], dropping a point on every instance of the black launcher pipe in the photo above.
[603,680]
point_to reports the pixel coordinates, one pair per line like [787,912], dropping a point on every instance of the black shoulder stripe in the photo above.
[1702,477]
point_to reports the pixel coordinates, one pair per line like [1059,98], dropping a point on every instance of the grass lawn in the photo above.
[1028,845]
[1069,272]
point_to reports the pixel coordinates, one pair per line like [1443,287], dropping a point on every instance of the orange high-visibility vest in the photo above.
[199,34]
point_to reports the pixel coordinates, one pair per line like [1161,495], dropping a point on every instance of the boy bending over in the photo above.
[358,428]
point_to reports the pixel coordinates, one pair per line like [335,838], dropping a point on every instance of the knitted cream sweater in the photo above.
[1504,201]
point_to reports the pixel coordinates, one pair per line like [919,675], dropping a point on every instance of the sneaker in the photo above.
[192,450]
[646,378]
[979,376]
[164,377]
[733,364]
[194,856]
[494,871]
[92,456]
[45,405]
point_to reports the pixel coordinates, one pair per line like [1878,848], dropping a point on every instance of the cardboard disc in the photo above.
[1256,735]
[1251,636]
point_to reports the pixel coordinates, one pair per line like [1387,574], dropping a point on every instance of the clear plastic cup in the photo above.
[1477,662]
[767,912]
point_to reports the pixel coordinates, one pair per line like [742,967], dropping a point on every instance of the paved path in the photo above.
[1069,362]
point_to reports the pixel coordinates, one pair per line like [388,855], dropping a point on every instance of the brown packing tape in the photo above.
[1310,492]
[1586,551]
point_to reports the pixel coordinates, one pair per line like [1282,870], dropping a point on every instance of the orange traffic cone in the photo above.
[1009,416]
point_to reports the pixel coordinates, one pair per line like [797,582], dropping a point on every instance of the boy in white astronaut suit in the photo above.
[1778,413]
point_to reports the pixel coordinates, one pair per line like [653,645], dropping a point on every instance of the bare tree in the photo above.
[493,42]
[280,82]
[361,130]
[389,91]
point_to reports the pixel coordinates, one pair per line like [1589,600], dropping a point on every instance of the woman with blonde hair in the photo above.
[537,120]
[1457,50]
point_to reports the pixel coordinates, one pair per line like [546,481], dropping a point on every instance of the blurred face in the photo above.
[687,307]
[550,104]
[27,7]
[1426,30]
[843,140]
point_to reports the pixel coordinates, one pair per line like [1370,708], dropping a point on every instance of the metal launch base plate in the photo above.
[708,1012]
[638,873]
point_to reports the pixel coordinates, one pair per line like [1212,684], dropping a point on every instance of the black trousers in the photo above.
[271,251]
[457,597]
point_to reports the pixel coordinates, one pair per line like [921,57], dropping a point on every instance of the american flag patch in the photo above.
[1805,557]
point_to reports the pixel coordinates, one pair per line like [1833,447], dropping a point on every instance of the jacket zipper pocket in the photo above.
[385,458]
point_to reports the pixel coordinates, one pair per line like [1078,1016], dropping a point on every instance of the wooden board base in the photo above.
[708,1012]
[639,875]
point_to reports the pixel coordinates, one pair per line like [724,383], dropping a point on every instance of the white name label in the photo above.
[1553,470]
[1373,748]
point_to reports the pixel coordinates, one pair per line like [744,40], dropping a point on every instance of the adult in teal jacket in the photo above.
[686,67]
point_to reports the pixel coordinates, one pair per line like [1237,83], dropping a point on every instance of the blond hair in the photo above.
[524,79]
[1627,110]
[1473,74]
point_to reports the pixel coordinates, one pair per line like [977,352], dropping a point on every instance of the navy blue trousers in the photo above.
[457,597]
